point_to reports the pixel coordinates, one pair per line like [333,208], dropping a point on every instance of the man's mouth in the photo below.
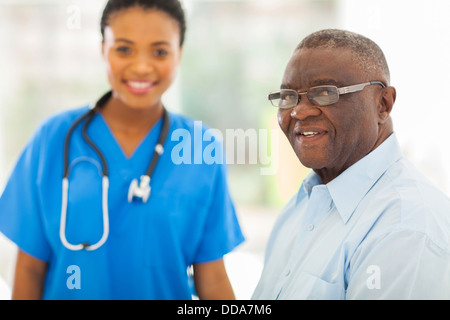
[309,133]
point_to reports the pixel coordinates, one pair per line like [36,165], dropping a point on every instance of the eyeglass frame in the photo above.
[340,91]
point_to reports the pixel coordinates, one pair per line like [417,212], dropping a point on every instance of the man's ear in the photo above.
[386,104]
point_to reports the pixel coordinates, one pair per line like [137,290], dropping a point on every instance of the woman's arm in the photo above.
[29,277]
[211,281]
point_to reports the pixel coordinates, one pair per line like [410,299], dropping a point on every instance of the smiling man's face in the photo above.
[330,139]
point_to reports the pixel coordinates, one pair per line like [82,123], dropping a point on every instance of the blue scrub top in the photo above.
[188,219]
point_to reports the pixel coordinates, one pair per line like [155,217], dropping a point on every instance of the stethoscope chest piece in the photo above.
[141,190]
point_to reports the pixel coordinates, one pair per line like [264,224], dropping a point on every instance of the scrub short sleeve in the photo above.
[222,231]
[20,217]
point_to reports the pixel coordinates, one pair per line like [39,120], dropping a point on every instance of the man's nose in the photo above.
[304,109]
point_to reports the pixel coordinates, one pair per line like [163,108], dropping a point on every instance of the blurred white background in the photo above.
[235,53]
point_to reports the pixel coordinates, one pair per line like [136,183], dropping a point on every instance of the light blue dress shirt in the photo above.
[379,230]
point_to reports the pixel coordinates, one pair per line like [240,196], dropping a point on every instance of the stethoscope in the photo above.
[141,190]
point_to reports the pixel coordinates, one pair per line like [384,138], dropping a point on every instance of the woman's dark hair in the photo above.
[171,7]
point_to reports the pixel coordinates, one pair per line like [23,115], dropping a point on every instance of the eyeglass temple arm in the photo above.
[359,87]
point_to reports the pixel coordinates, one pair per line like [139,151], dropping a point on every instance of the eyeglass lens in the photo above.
[318,96]
[323,96]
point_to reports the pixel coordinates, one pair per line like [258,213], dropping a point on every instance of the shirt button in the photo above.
[310,227]
[287,272]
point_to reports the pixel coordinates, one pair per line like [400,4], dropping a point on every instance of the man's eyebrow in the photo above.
[315,83]
[325,81]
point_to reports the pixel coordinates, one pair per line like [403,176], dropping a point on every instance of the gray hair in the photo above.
[367,53]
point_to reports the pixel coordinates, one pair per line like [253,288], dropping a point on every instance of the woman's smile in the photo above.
[140,87]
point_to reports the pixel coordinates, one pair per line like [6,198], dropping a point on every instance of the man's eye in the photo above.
[324,92]
[289,97]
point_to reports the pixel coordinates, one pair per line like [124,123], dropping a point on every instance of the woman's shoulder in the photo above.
[66,116]
[57,125]
[62,121]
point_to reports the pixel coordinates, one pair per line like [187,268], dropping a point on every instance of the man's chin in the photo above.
[312,162]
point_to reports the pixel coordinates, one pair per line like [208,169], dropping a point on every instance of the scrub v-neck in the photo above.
[112,150]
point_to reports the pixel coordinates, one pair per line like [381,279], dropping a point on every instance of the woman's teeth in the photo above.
[139,85]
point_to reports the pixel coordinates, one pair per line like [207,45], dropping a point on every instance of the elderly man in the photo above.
[365,223]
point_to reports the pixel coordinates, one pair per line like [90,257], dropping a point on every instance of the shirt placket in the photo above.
[319,204]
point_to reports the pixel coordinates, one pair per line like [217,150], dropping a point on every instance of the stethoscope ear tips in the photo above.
[139,191]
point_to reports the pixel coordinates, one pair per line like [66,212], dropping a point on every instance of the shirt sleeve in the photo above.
[222,232]
[403,264]
[20,217]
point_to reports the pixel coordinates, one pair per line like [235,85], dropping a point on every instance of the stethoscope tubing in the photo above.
[139,191]
[62,226]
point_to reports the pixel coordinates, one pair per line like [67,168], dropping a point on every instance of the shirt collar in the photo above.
[348,189]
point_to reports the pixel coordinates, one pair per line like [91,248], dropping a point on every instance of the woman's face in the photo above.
[142,52]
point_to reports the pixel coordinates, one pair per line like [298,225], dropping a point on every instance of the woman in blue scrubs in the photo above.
[188,219]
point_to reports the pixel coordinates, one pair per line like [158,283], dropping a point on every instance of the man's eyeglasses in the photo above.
[318,96]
